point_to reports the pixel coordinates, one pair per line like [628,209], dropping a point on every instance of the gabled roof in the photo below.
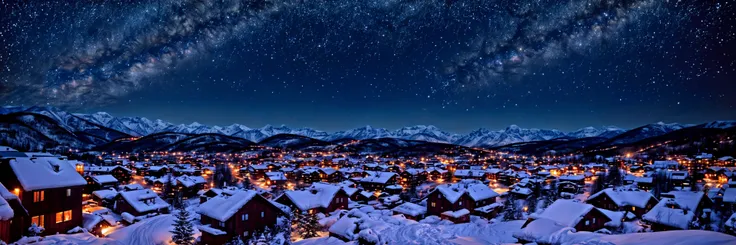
[222,208]
[104,179]
[41,173]
[319,195]
[623,198]
[144,200]
[566,213]
[674,217]
[378,177]
[475,189]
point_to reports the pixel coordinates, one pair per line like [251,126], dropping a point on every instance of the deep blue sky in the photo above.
[335,65]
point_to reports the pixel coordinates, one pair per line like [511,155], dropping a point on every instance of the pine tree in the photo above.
[510,209]
[246,183]
[598,185]
[308,226]
[223,176]
[283,226]
[614,176]
[550,195]
[183,231]
[532,204]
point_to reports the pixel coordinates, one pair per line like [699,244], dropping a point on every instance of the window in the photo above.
[68,192]
[244,217]
[587,222]
[38,196]
[263,214]
[222,224]
[63,216]
[461,203]
[245,233]
[593,220]
[433,204]
[38,220]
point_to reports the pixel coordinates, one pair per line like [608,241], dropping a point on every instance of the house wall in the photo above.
[236,226]
[599,223]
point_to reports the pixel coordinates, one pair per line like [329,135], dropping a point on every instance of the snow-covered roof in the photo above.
[41,173]
[105,194]
[378,177]
[144,200]
[729,195]
[565,212]
[319,195]
[615,216]
[223,207]
[731,221]
[489,208]
[345,227]
[209,229]
[469,173]
[275,175]
[456,214]
[623,198]
[475,189]
[541,230]
[189,181]
[104,179]
[6,212]
[685,199]
[6,148]
[674,217]
[410,209]
[571,177]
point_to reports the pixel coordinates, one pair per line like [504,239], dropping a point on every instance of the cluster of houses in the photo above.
[52,192]
[60,195]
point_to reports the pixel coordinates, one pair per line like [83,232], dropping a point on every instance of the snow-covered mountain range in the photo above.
[139,126]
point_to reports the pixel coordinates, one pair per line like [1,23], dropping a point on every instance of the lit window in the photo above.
[38,196]
[38,220]
[433,204]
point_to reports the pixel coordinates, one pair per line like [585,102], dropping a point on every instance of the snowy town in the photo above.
[272,196]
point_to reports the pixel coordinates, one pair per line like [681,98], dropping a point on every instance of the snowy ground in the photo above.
[409,232]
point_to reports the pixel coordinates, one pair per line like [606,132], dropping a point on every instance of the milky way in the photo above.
[122,48]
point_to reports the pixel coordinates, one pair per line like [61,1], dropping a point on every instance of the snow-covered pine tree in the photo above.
[614,177]
[283,227]
[532,203]
[550,194]
[246,183]
[183,233]
[599,184]
[308,226]
[509,206]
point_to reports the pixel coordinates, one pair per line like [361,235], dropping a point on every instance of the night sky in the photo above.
[336,64]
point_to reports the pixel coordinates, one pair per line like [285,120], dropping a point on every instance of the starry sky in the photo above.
[334,65]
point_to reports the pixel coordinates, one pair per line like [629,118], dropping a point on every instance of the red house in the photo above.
[321,198]
[140,202]
[11,212]
[467,194]
[49,188]
[570,213]
[224,218]
[636,202]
